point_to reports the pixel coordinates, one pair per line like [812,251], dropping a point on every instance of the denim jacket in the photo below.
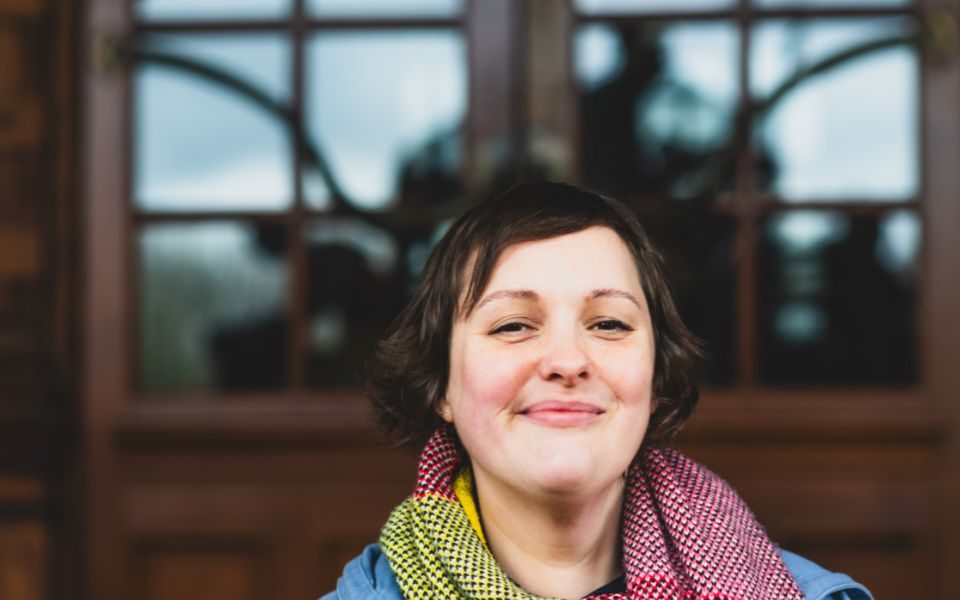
[369,576]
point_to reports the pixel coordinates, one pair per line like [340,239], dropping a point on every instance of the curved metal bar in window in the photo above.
[937,34]
[128,52]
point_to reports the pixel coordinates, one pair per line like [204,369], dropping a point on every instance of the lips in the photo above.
[562,414]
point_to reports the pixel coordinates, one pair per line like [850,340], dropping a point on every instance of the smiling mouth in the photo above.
[562,414]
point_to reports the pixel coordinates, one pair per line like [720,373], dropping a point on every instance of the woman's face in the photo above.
[550,375]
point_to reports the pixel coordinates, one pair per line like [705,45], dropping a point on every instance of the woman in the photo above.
[543,368]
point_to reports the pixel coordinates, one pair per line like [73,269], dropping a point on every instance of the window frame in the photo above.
[114,421]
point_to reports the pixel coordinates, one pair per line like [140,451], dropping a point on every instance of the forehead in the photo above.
[589,258]
[597,250]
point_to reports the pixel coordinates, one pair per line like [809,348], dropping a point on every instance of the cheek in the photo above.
[487,381]
[630,375]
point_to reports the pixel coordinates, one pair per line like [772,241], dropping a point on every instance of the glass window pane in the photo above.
[829,3]
[646,6]
[838,299]
[657,104]
[849,133]
[199,146]
[213,300]
[385,8]
[212,308]
[211,9]
[383,106]
[355,287]
[699,251]
[262,59]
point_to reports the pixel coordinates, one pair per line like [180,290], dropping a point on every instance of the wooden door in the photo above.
[261,480]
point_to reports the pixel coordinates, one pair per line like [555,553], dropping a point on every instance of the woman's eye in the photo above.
[510,328]
[612,325]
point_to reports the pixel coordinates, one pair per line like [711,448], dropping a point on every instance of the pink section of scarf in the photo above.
[686,534]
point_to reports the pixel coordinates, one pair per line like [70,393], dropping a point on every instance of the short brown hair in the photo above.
[408,375]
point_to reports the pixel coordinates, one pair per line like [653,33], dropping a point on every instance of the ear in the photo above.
[443,409]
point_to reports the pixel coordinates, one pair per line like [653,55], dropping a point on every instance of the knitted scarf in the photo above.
[686,536]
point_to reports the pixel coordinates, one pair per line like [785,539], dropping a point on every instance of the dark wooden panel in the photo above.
[21,126]
[19,252]
[23,560]
[21,8]
[196,567]
[345,465]
[307,510]
[20,491]
[18,342]
[20,174]
[10,67]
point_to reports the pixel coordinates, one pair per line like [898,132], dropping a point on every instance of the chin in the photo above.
[570,477]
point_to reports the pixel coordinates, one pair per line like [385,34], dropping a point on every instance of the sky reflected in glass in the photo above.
[376,101]
[849,134]
[385,8]
[201,147]
[828,3]
[646,6]
[211,9]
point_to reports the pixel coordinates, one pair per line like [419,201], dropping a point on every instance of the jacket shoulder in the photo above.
[818,583]
[367,576]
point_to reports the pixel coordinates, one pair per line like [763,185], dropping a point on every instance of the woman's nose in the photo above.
[565,360]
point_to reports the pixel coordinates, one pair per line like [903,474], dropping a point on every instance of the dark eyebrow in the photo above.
[532,295]
[615,293]
[521,294]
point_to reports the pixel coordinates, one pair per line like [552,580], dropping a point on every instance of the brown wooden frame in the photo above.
[114,425]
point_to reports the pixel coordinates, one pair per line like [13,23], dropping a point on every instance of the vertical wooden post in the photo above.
[940,298]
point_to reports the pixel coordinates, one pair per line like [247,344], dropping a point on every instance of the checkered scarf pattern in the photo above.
[686,536]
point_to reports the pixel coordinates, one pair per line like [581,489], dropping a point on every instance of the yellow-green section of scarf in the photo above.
[463,488]
[435,551]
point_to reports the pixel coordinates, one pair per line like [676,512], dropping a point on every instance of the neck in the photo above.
[557,546]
